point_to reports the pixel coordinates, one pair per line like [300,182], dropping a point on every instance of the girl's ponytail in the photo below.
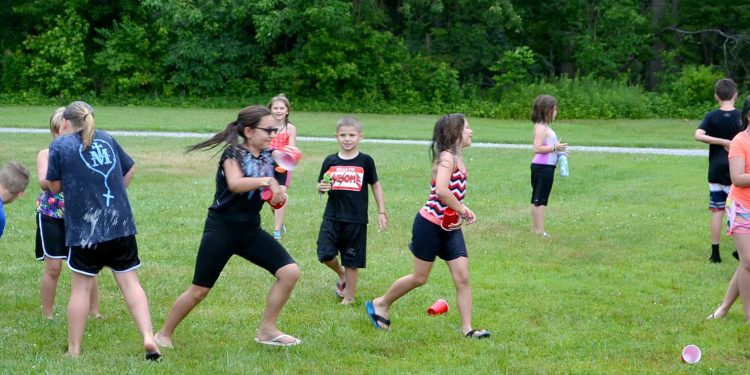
[248,117]
[87,135]
[81,117]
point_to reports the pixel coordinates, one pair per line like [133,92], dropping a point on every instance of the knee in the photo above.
[462,280]
[420,280]
[198,293]
[288,274]
[53,269]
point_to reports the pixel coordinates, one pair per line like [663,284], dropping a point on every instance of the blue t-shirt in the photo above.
[2,218]
[96,201]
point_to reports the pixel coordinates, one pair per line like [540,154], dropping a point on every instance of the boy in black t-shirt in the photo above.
[345,176]
[717,129]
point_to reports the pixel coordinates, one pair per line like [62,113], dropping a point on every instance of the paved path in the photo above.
[616,150]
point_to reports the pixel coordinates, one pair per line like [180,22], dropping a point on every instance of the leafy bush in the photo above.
[57,58]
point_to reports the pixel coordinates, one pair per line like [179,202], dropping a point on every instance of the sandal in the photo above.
[477,334]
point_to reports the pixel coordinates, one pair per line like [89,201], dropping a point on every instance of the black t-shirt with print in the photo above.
[348,197]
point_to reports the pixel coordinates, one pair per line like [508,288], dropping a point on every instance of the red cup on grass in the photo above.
[289,157]
[267,195]
[690,354]
[437,308]
[450,217]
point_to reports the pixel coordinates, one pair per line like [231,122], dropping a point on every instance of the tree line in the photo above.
[642,58]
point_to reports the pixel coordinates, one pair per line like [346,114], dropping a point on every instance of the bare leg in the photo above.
[731,295]
[94,300]
[181,308]
[78,307]
[459,268]
[537,216]
[137,302]
[717,219]
[742,241]
[350,274]
[286,278]
[278,216]
[335,266]
[49,286]
[400,287]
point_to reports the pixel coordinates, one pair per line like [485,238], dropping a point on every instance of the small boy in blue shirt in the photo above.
[345,176]
[14,178]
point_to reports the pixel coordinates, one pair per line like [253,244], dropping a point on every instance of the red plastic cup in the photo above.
[289,157]
[267,195]
[450,216]
[437,308]
[690,354]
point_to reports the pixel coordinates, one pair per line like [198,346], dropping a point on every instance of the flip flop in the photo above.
[340,289]
[276,341]
[375,318]
[153,356]
[478,334]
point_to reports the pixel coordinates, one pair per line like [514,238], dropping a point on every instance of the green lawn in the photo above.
[621,287]
[627,133]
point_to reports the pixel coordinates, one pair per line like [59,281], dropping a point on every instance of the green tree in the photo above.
[57,60]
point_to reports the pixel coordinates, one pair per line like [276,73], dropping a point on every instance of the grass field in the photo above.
[621,287]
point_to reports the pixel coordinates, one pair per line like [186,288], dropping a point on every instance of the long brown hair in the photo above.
[81,117]
[446,134]
[543,109]
[249,117]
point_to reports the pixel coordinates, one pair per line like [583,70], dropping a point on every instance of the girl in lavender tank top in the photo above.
[546,148]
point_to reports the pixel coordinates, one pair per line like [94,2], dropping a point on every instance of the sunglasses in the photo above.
[269,130]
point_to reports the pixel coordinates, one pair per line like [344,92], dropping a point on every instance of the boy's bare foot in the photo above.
[347,301]
[163,341]
[95,315]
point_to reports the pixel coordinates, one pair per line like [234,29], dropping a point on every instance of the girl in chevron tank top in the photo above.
[429,238]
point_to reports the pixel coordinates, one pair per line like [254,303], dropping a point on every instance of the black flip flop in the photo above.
[481,334]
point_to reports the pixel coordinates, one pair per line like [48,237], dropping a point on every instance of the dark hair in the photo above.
[745,112]
[81,117]
[249,117]
[725,89]
[446,134]
[543,108]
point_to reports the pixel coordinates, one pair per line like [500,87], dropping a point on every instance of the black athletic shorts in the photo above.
[50,237]
[347,239]
[223,239]
[120,254]
[542,177]
[429,241]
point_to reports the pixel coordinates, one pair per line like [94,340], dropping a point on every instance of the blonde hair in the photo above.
[282,98]
[14,177]
[56,121]
[349,121]
[81,117]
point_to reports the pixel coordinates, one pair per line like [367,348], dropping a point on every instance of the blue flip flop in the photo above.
[375,318]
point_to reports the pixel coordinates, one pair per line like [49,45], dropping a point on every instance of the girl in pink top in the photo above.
[738,215]
[285,136]
[546,147]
